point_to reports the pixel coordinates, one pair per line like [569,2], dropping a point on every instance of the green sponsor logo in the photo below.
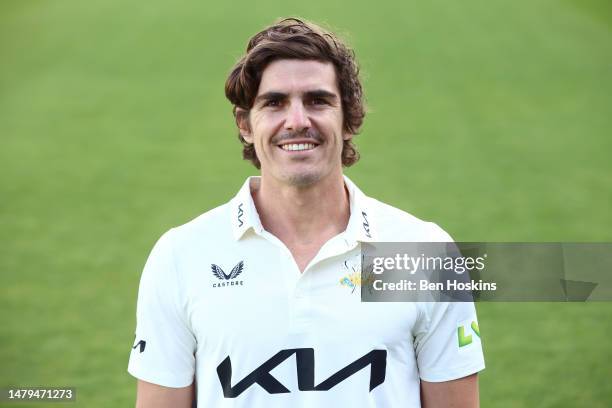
[465,339]
[475,328]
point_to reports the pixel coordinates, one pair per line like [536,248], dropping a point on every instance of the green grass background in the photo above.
[492,118]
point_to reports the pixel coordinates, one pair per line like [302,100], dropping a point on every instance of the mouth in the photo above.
[298,147]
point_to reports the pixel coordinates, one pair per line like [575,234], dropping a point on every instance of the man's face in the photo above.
[296,122]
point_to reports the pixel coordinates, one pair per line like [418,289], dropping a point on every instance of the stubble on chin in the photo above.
[302,180]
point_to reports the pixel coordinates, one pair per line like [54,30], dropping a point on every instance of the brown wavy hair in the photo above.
[292,38]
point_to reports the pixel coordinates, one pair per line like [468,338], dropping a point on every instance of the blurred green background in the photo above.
[491,118]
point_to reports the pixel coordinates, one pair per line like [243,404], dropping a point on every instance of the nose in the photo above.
[297,117]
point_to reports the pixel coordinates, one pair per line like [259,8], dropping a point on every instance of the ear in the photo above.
[244,127]
[347,136]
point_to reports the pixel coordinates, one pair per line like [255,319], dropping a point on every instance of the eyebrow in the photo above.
[317,93]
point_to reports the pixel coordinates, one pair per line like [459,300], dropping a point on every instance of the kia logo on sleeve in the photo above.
[142,345]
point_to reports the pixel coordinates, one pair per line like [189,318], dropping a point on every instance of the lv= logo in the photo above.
[466,338]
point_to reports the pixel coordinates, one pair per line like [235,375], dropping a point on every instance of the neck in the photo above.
[303,215]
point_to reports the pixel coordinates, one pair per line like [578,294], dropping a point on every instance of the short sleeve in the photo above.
[163,351]
[447,341]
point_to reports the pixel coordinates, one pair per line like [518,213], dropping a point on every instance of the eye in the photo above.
[319,101]
[272,103]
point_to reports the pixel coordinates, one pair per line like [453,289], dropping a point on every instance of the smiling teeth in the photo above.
[298,147]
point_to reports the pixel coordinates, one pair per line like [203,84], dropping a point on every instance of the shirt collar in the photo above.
[244,215]
[243,212]
[360,226]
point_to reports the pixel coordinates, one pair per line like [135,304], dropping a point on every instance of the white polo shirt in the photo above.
[223,300]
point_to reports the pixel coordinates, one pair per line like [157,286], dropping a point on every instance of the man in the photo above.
[245,303]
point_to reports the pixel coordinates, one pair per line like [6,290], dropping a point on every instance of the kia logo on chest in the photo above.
[305,367]
[227,279]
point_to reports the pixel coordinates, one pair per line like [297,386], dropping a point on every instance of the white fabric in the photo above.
[193,319]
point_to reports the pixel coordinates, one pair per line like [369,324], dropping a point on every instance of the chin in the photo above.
[304,179]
